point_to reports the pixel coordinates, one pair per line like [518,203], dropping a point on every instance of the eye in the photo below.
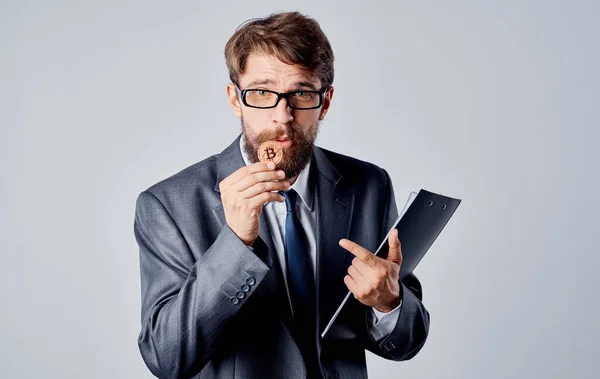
[302,94]
[261,92]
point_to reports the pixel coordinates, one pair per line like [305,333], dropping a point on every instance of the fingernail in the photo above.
[280,173]
[271,165]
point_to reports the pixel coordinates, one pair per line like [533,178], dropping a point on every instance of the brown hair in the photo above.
[290,36]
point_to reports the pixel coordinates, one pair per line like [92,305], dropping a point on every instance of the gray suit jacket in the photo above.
[192,266]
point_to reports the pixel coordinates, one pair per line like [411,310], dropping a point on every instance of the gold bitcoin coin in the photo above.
[270,151]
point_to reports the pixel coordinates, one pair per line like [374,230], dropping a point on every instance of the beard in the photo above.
[295,157]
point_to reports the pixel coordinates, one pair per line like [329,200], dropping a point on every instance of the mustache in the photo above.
[291,132]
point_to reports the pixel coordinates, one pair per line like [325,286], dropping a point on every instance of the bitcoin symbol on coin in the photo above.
[270,151]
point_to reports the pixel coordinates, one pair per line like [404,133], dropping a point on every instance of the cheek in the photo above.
[307,118]
[256,122]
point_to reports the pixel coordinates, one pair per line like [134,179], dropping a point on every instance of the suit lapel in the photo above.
[334,207]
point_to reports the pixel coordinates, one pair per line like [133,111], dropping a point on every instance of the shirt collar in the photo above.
[301,185]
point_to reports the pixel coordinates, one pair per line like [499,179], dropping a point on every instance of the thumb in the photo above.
[394,254]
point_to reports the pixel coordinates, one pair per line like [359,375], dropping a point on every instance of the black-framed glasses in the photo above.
[265,99]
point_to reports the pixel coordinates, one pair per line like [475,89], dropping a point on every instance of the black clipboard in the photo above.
[418,227]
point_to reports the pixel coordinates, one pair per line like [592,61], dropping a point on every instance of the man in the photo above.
[244,262]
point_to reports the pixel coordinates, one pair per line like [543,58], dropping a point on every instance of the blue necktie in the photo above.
[299,270]
[300,282]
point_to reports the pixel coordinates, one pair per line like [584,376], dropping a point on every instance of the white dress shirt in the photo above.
[380,324]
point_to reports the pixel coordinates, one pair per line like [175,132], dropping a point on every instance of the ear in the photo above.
[326,103]
[234,100]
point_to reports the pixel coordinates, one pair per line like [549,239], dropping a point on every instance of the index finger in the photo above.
[242,172]
[358,251]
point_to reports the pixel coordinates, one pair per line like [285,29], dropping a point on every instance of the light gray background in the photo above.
[495,102]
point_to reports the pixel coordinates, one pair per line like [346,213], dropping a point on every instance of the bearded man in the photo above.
[244,260]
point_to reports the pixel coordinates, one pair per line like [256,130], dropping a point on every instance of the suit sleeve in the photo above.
[186,304]
[412,326]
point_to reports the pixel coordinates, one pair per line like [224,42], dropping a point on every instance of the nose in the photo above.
[282,113]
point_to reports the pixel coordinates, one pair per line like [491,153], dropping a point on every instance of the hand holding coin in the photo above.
[244,193]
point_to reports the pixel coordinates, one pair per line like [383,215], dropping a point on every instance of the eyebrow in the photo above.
[306,84]
[259,82]
[269,81]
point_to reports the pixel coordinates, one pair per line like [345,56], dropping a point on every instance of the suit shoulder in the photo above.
[355,168]
[200,174]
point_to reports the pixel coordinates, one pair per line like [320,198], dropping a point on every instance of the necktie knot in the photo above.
[290,199]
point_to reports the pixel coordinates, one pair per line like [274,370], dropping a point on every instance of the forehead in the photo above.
[269,70]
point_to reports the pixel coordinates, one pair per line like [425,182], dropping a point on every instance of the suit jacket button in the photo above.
[245,288]
[389,346]
[240,294]
[251,281]
[235,300]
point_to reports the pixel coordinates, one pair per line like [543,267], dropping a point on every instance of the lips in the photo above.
[285,143]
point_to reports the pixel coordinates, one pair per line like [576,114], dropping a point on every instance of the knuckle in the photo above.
[382,271]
